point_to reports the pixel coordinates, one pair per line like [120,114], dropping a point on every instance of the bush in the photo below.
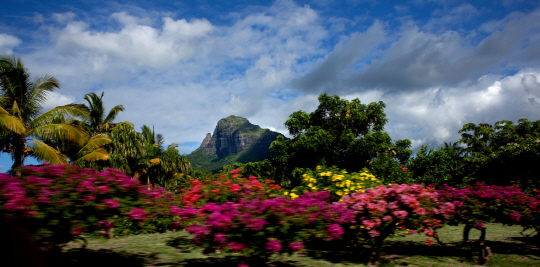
[231,187]
[337,182]
[384,210]
[59,203]
[261,227]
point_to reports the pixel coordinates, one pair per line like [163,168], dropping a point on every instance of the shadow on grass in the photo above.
[233,261]
[97,258]
[182,242]
[394,250]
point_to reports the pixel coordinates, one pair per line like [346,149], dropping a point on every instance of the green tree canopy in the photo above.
[24,131]
[347,134]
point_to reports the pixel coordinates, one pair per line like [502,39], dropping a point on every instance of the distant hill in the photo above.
[234,140]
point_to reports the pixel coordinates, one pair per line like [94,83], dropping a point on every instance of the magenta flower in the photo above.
[111,203]
[334,231]
[273,246]
[137,214]
[296,246]
[515,216]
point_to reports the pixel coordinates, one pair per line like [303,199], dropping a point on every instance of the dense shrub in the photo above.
[261,227]
[337,182]
[59,203]
[228,187]
[385,210]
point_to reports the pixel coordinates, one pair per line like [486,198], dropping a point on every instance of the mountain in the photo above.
[234,140]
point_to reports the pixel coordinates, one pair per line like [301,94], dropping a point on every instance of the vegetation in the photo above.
[23,130]
[301,199]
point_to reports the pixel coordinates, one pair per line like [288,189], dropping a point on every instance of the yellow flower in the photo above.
[286,193]
[318,167]
[352,227]
[310,185]
[293,195]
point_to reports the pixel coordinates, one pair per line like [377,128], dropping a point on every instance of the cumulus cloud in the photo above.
[135,43]
[413,115]
[7,43]
[55,99]
[418,60]
[182,74]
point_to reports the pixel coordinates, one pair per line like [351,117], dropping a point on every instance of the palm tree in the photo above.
[23,130]
[159,164]
[96,121]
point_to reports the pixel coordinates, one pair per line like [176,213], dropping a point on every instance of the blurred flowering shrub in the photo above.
[481,203]
[385,210]
[59,203]
[231,187]
[337,182]
[261,227]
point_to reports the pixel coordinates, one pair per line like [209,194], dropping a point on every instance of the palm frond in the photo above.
[64,112]
[61,132]
[99,154]
[45,152]
[95,143]
[41,88]
[113,113]
[172,146]
[11,123]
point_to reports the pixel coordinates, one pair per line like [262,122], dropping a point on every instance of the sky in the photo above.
[181,66]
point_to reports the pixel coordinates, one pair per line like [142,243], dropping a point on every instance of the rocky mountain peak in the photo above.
[233,135]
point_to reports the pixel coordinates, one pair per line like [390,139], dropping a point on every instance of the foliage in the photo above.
[59,203]
[225,188]
[337,182]
[261,227]
[384,210]
[503,153]
[339,132]
[478,204]
[442,166]
[391,169]
[23,130]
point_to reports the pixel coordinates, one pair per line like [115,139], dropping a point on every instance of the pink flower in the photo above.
[137,214]
[273,246]
[480,225]
[515,216]
[103,189]
[295,246]
[235,171]
[111,203]
[77,231]
[235,188]
[334,231]
[374,233]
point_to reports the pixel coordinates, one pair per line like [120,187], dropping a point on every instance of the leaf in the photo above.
[44,152]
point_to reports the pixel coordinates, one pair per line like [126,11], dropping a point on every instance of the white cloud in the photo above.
[55,99]
[7,43]
[182,74]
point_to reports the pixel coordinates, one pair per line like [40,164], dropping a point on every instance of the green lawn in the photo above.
[510,248]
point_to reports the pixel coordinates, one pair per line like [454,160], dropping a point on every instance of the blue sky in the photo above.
[182,66]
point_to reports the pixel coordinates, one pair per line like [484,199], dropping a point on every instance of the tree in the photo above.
[339,132]
[160,164]
[442,166]
[97,122]
[503,154]
[23,130]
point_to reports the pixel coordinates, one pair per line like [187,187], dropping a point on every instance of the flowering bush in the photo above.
[491,203]
[337,182]
[384,210]
[231,187]
[261,227]
[61,202]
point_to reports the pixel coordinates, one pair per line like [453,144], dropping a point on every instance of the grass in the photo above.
[509,247]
